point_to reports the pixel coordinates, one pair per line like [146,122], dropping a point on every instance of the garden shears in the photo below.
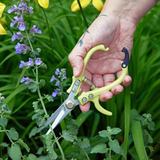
[93,95]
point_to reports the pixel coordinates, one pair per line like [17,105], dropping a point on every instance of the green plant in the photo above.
[79,136]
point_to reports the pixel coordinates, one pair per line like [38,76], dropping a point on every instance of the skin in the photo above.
[114,28]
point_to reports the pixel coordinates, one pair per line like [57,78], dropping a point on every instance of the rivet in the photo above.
[90,96]
[84,99]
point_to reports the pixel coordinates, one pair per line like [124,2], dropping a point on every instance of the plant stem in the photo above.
[43,106]
[58,144]
[29,41]
[83,13]
[86,154]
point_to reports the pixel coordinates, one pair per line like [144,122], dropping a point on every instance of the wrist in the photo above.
[132,10]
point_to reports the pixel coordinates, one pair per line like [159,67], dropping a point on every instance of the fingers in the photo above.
[127,79]
[117,89]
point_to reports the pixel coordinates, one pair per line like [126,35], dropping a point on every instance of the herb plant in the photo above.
[35,42]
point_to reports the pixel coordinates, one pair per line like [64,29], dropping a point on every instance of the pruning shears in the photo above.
[93,95]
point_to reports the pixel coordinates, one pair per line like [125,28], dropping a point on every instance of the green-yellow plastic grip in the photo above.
[94,94]
[87,57]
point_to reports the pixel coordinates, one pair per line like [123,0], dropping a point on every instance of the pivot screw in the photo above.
[69,104]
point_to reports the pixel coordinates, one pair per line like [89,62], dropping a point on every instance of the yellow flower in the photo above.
[2,30]
[98,4]
[43,3]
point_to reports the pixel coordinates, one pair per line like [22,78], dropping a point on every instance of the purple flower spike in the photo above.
[57,72]
[54,94]
[21,26]
[30,62]
[30,9]
[35,30]
[38,61]
[57,83]
[22,64]
[24,79]
[22,48]
[53,78]
[27,80]
[19,36]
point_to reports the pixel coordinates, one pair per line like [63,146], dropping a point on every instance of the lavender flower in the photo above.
[21,26]
[19,36]
[35,30]
[20,11]
[27,80]
[22,64]
[57,72]
[38,61]
[53,78]
[57,83]
[22,48]
[30,62]
[54,94]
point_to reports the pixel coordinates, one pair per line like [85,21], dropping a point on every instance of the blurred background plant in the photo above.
[136,110]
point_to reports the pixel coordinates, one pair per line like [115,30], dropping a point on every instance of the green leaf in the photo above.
[104,133]
[3,121]
[40,150]
[43,65]
[114,145]
[151,125]
[32,86]
[40,120]
[13,134]
[115,131]
[23,144]
[52,153]
[42,82]
[139,118]
[150,148]
[15,152]
[147,137]
[137,135]
[48,139]
[31,157]
[33,132]
[4,144]
[35,105]
[72,127]
[49,98]
[67,136]
[100,148]
[85,143]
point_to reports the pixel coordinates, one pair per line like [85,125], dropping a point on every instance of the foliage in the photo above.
[34,79]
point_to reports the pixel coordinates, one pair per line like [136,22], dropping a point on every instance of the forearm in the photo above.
[132,10]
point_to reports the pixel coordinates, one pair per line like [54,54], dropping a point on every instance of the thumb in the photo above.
[76,57]
[76,62]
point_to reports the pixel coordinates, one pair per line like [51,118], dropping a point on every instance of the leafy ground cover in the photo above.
[33,85]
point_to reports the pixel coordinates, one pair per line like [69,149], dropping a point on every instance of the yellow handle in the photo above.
[87,57]
[94,94]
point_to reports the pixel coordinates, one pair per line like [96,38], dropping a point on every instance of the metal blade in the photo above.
[52,118]
[57,120]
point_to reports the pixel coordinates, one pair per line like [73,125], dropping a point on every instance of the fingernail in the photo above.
[74,71]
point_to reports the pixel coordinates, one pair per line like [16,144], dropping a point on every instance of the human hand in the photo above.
[112,32]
